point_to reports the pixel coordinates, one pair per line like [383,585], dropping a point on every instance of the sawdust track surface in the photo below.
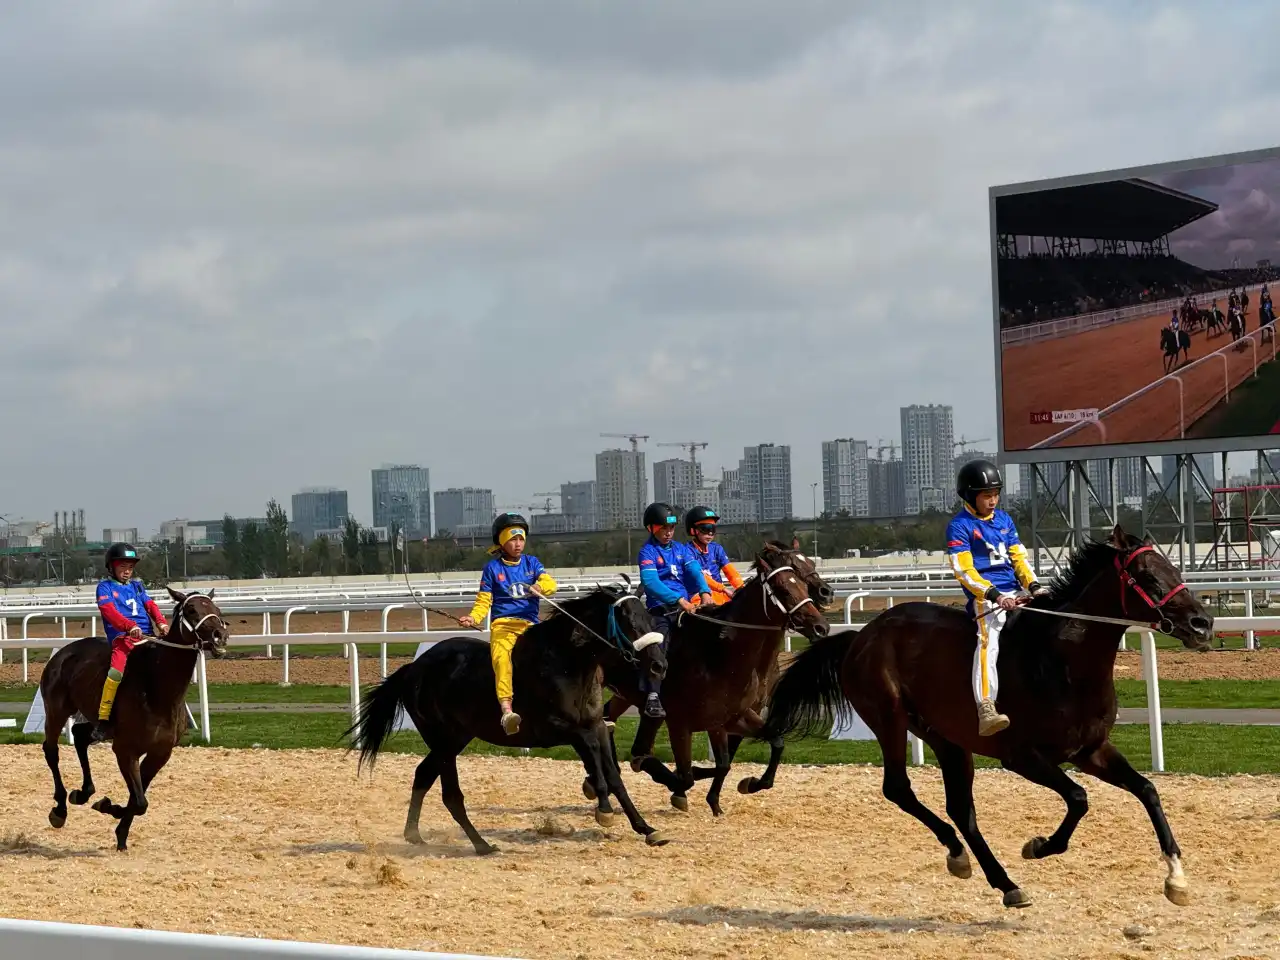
[291,845]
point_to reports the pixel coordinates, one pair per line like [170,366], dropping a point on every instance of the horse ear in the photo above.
[1119,539]
[210,593]
[178,595]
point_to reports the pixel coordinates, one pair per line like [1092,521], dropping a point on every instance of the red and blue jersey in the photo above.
[669,574]
[126,605]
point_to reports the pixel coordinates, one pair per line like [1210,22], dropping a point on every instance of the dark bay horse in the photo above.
[557,665]
[149,716]
[721,663]
[908,670]
[1172,343]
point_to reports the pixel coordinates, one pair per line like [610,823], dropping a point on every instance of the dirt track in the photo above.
[291,845]
[1095,368]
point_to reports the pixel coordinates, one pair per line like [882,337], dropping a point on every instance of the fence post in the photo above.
[1154,719]
[202,677]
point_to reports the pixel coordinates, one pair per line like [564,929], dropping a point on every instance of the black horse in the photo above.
[1172,343]
[908,670]
[557,665]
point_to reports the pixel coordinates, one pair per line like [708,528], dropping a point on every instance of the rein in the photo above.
[180,616]
[618,641]
[769,594]
[1164,625]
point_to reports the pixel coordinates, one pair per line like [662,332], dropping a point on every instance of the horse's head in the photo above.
[806,569]
[784,589]
[198,622]
[1150,584]
[616,614]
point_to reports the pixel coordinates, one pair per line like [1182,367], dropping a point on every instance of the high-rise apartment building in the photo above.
[317,508]
[464,511]
[402,498]
[927,444]
[622,489]
[845,485]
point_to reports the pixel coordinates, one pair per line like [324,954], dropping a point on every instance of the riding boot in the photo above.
[989,721]
[102,729]
[510,719]
[653,707]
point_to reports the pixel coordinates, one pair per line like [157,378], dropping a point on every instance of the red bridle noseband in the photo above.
[1157,607]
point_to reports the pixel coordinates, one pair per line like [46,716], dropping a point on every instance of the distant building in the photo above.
[845,486]
[402,498]
[120,535]
[886,488]
[578,504]
[622,489]
[674,475]
[765,474]
[317,508]
[927,444]
[465,511]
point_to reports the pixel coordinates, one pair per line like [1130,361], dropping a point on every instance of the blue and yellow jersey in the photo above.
[986,553]
[669,574]
[504,589]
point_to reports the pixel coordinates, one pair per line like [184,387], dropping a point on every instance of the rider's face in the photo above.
[704,533]
[123,570]
[987,501]
[514,547]
[664,534]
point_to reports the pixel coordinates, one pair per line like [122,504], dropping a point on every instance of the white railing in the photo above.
[39,940]
[1050,329]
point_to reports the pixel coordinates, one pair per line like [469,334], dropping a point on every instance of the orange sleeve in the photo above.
[735,580]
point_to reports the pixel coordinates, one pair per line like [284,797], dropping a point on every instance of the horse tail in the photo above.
[377,715]
[807,697]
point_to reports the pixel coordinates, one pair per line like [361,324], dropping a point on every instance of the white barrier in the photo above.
[38,940]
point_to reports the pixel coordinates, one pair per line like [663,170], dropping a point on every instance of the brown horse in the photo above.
[149,716]
[720,665]
[908,670]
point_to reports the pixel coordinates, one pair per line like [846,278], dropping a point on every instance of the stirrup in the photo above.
[653,707]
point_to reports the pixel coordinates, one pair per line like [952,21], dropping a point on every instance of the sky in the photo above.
[247,248]
[1246,225]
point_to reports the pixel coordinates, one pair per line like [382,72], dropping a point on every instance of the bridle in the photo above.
[769,595]
[1165,625]
[181,616]
[615,639]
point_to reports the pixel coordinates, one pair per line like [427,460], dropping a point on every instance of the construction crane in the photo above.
[966,442]
[881,447]
[693,446]
[633,437]
[547,503]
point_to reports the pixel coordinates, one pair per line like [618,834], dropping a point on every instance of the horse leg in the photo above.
[589,747]
[1110,766]
[682,750]
[643,760]
[58,815]
[749,724]
[138,804]
[613,779]
[957,778]
[453,801]
[80,734]
[897,790]
[423,778]
[719,741]
[616,706]
[1035,768]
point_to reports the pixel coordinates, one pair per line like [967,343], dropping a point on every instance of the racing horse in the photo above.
[1171,344]
[721,664]
[448,695]
[149,716]
[908,669]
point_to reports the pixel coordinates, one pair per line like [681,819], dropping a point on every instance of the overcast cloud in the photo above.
[250,247]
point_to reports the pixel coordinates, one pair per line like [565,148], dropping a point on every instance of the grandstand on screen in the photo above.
[1096,247]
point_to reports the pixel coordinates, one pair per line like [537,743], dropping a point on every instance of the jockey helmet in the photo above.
[120,551]
[659,515]
[506,521]
[699,515]
[976,476]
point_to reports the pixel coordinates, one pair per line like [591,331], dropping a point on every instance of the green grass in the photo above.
[1254,406]
[1206,749]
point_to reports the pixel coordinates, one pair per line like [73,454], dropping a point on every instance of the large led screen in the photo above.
[1137,310]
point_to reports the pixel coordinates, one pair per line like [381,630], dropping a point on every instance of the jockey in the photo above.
[127,613]
[1174,322]
[671,576]
[991,563]
[510,586]
[700,525]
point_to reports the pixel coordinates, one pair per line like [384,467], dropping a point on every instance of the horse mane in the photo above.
[557,626]
[1083,565]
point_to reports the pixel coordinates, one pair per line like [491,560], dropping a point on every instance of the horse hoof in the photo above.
[485,849]
[1016,898]
[637,764]
[588,790]
[1031,849]
[960,867]
[1177,892]
[717,812]
[681,803]
[657,839]
[746,784]
[413,836]
[57,820]
[79,797]
[102,805]
[604,819]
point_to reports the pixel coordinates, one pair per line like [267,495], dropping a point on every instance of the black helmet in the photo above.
[977,475]
[504,520]
[659,515]
[120,551]
[699,515]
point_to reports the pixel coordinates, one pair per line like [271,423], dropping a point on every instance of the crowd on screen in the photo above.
[1042,287]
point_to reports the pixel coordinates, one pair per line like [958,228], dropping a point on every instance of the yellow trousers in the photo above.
[502,639]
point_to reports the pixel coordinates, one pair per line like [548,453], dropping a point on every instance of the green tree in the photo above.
[231,547]
[350,546]
[252,549]
[370,555]
[276,540]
